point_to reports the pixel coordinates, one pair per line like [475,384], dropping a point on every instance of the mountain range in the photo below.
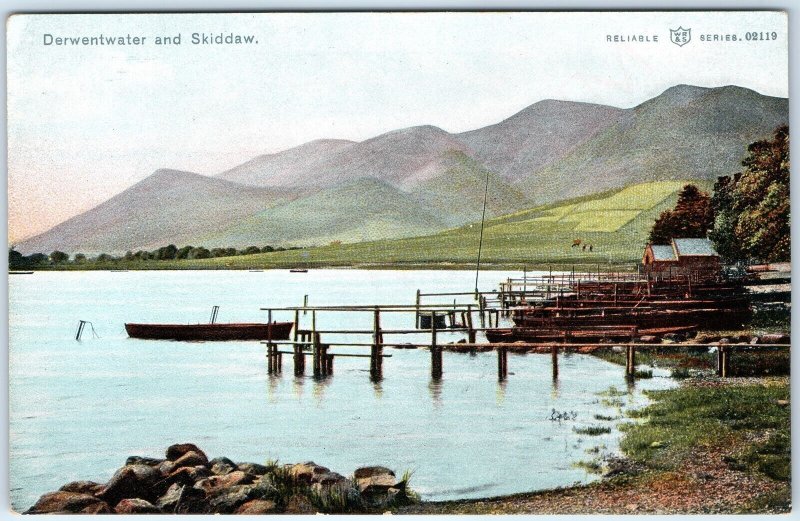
[422,179]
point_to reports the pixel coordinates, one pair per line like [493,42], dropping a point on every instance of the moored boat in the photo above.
[233,331]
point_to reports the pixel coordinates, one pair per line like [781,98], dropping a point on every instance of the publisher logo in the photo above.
[680,36]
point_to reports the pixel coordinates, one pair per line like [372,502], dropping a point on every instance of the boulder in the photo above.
[141,460]
[136,506]
[377,484]
[649,339]
[131,481]
[221,466]
[176,451]
[774,338]
[187,475]
[252,468]
[258,506]
[304,472]
[299,504]
[166,467]
[328,478]
[368,472]
[82,487]
[191,459]
[63,501]
[212,484]
[181,499]
[227,500]
[97,508]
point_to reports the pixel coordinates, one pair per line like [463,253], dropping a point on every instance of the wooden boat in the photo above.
[580,335]
[240,331]
[298,270]
[20,273]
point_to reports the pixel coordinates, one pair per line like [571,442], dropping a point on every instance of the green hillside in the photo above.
[615,223]
[361,210]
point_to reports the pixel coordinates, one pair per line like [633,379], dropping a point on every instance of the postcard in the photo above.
[399,262]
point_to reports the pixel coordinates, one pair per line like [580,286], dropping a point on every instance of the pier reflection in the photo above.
[435,390]
[500,393]
[273,381]
[319,387]
[297,386]
[377,387]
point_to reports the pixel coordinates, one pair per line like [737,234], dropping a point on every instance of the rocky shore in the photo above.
[185,481]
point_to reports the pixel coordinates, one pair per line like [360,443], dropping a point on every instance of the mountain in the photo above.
[422,179]
[287,168]
[354,211]
[686,132]
[537,136]
[169,206]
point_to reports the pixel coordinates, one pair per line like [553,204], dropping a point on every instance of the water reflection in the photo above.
[500,394]
[273,381]
[297,386]
[377,387]
[435,389]
[318,390]
[555,387]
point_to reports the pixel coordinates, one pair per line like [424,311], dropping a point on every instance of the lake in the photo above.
[79,408]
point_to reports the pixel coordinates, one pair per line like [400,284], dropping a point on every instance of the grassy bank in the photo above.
[708,446]
[612,227]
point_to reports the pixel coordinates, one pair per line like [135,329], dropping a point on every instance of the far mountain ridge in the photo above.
[549,151]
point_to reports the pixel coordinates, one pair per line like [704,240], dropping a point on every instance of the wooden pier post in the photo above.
[305,304]
[376,358]
[470,329]
[436,351]
[502,363]
[296,325]
[480,308]
[299,360]
[630,360]
[723,361]
[554,359]
[81,325]
[416,316]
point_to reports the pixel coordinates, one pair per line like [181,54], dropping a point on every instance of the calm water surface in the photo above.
[78,409]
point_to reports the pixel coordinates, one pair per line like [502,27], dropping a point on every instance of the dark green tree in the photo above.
[692,216]
[59,257]
[753,207]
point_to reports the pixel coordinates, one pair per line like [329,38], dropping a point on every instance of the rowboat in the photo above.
[233,331]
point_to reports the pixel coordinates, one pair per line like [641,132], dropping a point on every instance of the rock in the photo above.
[304,472]
[62,501]
[782,403]
[212,484]
[258,506]
[227,500]
[97,508]
[187,475]
[191,459]
[166,467]
[136,506]
[141,460]
[131,481]
[82,487]
[252,468]
[221,466]
[617,349]
[774,338]
[724,341]
[181,499]
[631,507]
[656,444]
[176,451]
[648,339]
[376,484]
[328,478]
[368,472]
[667,341]
[299,504]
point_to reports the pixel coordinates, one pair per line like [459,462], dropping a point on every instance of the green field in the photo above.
[615,223]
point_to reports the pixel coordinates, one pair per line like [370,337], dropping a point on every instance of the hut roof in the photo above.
[663,252]
[694,247]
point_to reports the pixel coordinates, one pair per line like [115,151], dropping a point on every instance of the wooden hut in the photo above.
[688,256]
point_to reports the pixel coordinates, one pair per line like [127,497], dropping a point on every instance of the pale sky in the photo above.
[86,122]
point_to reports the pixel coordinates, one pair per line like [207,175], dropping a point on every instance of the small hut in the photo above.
[689,256]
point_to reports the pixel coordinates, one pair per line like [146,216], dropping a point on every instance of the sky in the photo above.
[87,122]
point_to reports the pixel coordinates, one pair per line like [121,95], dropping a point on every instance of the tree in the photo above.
[692,216]
[59,257]
[166,252]
[199,253]
[753,207]
[16,259]
[250,250]
[79,258]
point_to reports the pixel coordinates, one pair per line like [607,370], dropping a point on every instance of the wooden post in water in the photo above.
[376,358]
[470,329]
[554,358]
[480,308]
[436,351]
[416,315]
[305,304]
[502,363]
[81,325]
[296,324]
[630,360]
[271,369]
[299,360]
[328,363]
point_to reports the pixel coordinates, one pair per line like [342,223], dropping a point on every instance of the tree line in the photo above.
[747,217]
[171,252]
